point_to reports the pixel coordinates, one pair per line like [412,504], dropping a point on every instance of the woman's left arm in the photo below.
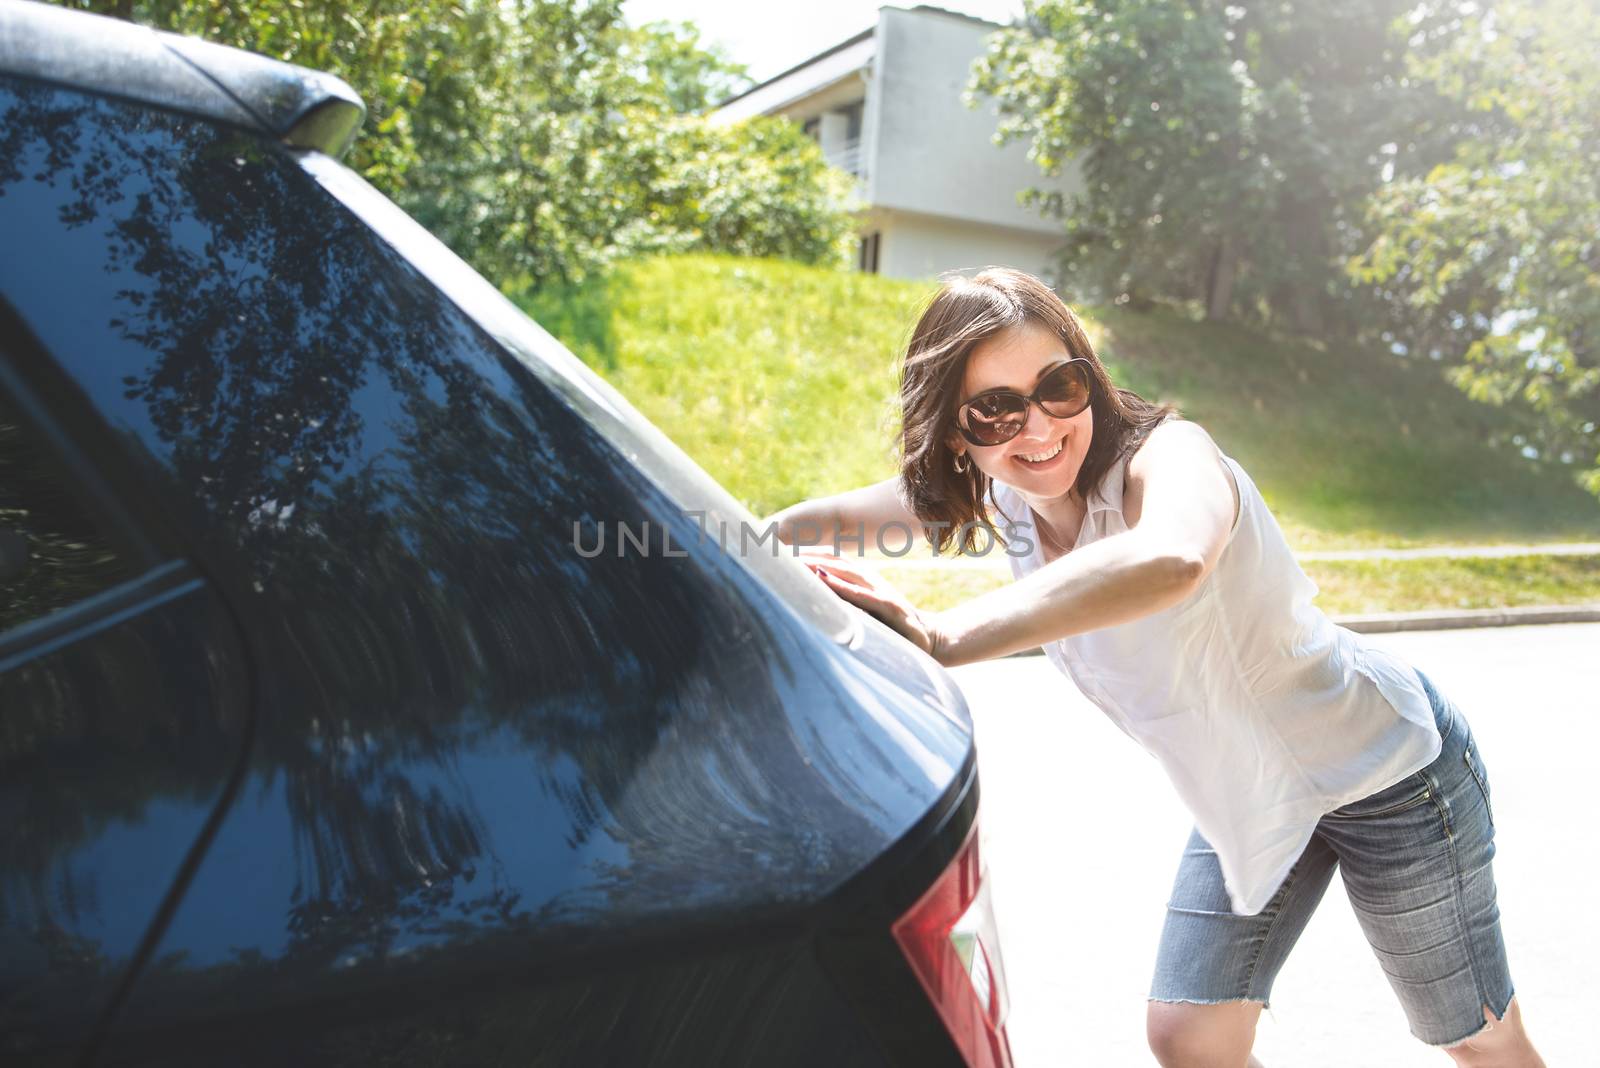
[1186,512]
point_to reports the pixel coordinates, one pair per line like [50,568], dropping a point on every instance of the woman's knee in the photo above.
[1503,1043]
[1188,1035]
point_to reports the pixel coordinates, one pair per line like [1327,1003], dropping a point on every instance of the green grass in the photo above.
[780,381]
[1360,587]
[1352,587]
[1350,449]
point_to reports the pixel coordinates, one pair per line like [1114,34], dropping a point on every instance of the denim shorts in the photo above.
[1415,861]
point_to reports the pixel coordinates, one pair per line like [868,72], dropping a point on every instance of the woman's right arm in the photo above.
[872,512]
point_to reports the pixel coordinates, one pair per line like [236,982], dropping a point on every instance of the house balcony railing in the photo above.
[848,156]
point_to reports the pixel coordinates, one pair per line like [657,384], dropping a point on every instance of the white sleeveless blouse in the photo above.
[1263,712]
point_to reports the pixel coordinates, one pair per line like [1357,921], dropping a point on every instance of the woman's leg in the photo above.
[1416,863]
[1200,1036]
[1214,969]
[1501,1044]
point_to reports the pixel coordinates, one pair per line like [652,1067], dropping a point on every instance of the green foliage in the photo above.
[758,188]
[634,178]
[1494,255]
[543,138]
[387,54]
[692,76]
[1224,149]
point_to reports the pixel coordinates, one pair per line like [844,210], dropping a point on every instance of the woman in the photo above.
[1149,568]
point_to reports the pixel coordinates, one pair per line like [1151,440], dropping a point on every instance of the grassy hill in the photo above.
[780,381]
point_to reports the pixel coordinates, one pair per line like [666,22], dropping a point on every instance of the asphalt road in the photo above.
[1083,835]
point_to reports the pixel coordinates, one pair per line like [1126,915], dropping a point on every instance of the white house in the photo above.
[936,193]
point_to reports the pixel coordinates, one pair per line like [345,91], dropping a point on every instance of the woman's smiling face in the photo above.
[1015,360]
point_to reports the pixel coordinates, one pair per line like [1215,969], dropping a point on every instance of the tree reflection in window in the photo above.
[52,555]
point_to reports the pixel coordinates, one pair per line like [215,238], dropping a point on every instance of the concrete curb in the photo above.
[1478,617]
[1389,622]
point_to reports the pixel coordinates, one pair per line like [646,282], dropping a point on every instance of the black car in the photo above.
[326,734]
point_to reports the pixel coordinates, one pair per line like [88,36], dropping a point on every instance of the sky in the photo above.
[769,36]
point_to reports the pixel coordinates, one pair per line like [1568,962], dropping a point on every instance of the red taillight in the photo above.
[951,939]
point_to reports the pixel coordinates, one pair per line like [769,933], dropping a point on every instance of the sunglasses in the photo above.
[998,415]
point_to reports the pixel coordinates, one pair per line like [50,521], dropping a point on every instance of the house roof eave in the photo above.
[864,35]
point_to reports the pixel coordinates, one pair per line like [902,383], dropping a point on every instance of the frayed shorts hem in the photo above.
[1209,1001]
[1483,1025]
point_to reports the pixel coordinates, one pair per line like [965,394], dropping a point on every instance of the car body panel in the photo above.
[477,754]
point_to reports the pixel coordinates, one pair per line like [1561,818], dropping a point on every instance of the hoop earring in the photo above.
[956,462]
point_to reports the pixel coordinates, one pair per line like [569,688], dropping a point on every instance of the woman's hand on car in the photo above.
[859,583]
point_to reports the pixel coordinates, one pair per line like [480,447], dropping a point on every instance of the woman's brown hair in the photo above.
[963,313]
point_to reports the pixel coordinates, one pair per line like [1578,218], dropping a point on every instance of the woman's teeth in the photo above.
[1041,457]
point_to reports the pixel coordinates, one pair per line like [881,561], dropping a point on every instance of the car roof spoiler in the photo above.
[300,107]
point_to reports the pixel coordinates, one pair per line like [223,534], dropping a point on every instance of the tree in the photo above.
[540,139]
[575,154]
[387,55]
[1225,149]
[690,75]
[1492,258]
